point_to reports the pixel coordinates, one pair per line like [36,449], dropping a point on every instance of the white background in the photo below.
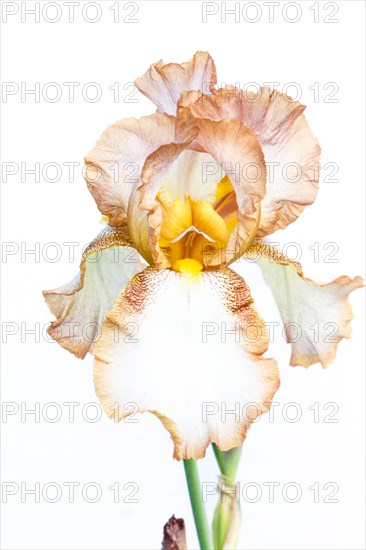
[305,452]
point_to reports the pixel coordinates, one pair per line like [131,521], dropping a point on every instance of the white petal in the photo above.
[166,347]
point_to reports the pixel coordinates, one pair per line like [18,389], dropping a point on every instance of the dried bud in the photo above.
[174,535]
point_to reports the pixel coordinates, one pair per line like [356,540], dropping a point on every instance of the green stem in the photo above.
[220,458]
[199,512]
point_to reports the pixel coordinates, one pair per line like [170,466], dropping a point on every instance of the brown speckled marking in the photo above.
[265,251]
[237,298]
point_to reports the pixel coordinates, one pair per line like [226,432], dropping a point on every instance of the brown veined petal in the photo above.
[114,165]
[187,350]
[80,306]
[290,149]
[316,316]
[163,84]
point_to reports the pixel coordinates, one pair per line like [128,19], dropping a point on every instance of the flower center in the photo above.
[193,228]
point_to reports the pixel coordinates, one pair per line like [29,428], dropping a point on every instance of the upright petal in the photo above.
[163,84]
[226,147]
[145,203]
[239,155]
[237,152]
[290,149]
[113,167]
[316,316]
[80,306]
[188,350]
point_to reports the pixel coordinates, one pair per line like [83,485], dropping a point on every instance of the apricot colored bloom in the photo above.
[187,188]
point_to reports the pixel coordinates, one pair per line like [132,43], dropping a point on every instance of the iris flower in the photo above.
[188,189]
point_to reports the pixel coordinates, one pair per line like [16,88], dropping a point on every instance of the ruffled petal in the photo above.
[156,169]
[188,350]
[316,316]
[290,149]
[238,154]
[113,167]
[80,306]
[163,84]
[226,147]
